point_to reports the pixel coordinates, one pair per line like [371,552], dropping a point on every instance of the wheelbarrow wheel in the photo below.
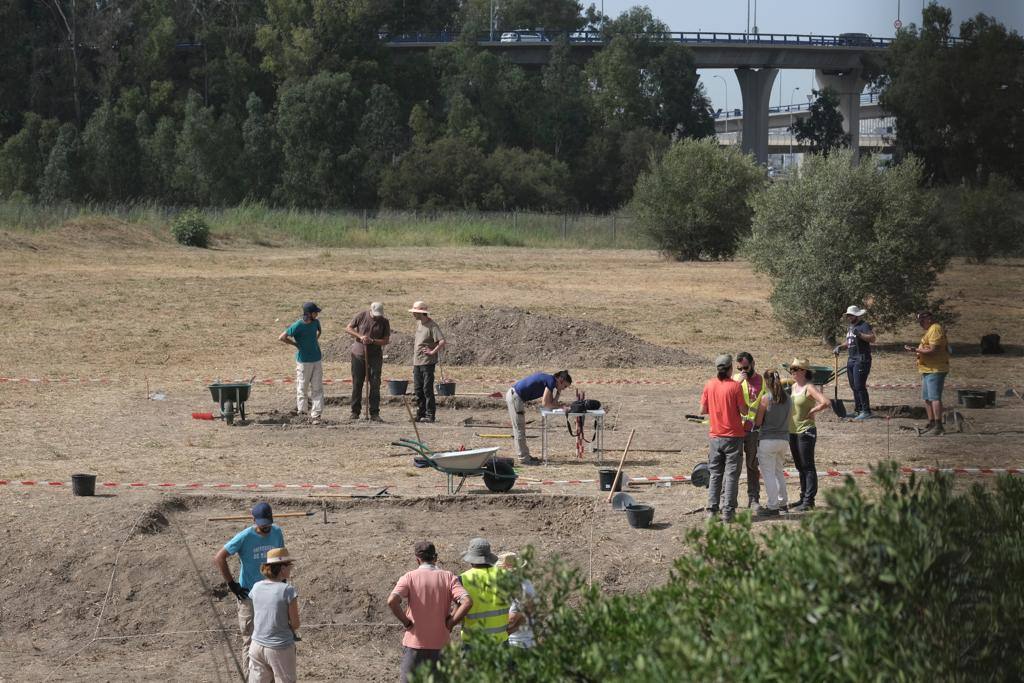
[500,476]
[229,412]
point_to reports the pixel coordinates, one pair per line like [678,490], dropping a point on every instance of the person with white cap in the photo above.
[251,545]
[428,342]
[488,617]
[275,604]
[859,338]
[372,332]
[304,335]
[722,401]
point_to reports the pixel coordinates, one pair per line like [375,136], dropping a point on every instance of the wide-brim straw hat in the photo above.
[856,311]
[279,556]
[510,560]
[799,364]
[420,307]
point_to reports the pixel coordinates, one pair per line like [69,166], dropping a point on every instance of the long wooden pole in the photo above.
[405,400]
[618,472]
[242,518]
[366,376]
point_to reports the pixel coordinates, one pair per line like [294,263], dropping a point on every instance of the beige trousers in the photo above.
[309,382]
[245,616]
[272,665]
[517,416]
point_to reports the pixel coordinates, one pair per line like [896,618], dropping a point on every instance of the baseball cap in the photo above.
[377,309]
[723,361]
[262,514]
[310,307]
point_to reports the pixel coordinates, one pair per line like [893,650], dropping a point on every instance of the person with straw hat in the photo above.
[520,627]
[859,338]
[803,434]
[429,593]
[371,332]
[275,604]
[427,345]
[488,617]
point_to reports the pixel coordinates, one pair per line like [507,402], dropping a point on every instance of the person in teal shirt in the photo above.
[251,545]
[304,335]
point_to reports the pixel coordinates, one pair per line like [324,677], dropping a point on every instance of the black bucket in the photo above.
[975,401]
[83,484]
[446,389]
[606,477]
[398,387]
[639,516]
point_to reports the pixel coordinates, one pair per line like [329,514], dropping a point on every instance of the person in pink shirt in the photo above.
[722,401]
[429,593]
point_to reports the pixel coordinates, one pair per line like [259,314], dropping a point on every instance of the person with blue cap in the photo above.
[304,335]
[251,545]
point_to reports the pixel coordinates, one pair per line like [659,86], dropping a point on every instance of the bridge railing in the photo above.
[692,37]
[870,97]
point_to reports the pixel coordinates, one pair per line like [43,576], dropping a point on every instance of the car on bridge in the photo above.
[855,40]
[523,37]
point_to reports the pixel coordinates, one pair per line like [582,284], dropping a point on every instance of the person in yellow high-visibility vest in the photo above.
[488,616]
[753,391]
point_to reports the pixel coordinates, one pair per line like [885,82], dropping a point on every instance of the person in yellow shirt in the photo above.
[933,364]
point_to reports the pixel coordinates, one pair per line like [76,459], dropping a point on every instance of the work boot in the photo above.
[425,418]
[937,430]
[767,512]
[754,505]
[712,514]
[529,460]
[928,429]
[803,507]
[354,416]
[375,418]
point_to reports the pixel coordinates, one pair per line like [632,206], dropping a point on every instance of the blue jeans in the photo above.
[857,370]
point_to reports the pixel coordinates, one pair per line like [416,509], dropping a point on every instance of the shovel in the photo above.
[838,407]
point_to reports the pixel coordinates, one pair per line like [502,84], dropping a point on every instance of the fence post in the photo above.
[613,229]
[565,225]
[515,221]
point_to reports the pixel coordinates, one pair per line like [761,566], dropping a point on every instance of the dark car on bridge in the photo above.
[855,40]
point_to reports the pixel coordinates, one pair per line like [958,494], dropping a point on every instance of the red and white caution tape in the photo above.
[280,486]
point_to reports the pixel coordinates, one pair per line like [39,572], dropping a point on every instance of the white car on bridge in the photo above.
[523,37]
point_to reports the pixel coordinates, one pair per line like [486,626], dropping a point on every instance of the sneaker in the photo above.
[767,512]
[529,460]
[862,415]
[803,507]
[712,514]
[354,416]
[425,419]
[926,430]
[315,421]
[755,506]
[793,506]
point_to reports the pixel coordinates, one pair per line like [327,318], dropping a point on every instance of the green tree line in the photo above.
[301,103]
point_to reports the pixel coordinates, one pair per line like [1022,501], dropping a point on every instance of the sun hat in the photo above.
[377,309]
[510,560]
[479,552]
[701,475]
[262,515]
[425,551]
[420,307]
[799,364]
[856,311]
[278,556]
[310,307]
[723,361]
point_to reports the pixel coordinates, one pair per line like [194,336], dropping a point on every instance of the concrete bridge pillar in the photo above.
[848,85]
[756,89]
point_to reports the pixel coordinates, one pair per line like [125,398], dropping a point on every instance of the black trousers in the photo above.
[801,447]
[423,386]
[358,375]
[857,370]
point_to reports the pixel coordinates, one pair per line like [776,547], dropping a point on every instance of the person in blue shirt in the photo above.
[304,335]
[541,386]
[251,545]
[859,338]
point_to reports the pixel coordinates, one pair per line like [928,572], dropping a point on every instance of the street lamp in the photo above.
[726,86]
[791,96]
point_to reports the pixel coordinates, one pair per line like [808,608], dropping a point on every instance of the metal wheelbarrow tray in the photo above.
[499,475]
[230,396]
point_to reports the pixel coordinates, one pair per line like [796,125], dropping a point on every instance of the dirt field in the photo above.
[133,316]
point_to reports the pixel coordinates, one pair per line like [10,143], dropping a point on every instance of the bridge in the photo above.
[838,63]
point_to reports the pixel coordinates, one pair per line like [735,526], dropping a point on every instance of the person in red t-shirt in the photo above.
[722,401]
[429,592]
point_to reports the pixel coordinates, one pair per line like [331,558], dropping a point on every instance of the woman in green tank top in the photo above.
[803,434]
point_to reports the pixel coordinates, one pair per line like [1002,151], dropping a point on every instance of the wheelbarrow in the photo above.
[499,474]
[231,397]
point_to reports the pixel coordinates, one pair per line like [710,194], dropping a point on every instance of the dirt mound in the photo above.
[104,233]
[513,336]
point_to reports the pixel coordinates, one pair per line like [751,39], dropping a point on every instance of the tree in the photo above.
[61,177]
[206,151]
[261,150]
[958,106]
[987,220]
[110,148]
[695,203]
[838,233]
[823,127]
[25,154]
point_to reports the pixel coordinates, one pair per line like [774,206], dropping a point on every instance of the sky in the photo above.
[821,17]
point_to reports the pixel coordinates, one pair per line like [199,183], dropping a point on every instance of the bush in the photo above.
[695,202]
[190,229]
[912,583]
[838,234]
[986,220]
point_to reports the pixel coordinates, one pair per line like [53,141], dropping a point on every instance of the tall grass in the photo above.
[264,225]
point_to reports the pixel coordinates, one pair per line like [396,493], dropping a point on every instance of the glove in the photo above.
[836,351]
[239,592]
